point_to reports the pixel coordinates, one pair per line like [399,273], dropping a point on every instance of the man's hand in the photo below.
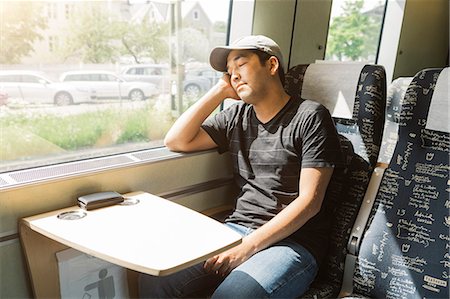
[186,135]
[223,263]
[225,85]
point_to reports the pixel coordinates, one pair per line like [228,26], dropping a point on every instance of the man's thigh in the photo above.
[284,270]
[184,283]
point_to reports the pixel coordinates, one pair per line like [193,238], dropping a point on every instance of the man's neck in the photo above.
[266,109]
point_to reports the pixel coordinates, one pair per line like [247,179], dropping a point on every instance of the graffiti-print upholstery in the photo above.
[405,248]
[394,99]
[294,80]
[360,140]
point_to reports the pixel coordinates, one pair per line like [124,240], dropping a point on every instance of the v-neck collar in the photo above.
[275,117]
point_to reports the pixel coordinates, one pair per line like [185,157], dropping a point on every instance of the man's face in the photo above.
[247,75]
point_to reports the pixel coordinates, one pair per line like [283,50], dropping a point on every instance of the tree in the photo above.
[195,45]
[220,26]
[354,34]
[92,36]
[146,39]
[19,28]
[97,37]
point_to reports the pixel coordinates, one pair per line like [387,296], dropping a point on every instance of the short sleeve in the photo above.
[219,126]
[320,145]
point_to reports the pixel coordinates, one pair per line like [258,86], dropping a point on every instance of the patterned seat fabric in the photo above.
[394,100]
[405,247]
[360,140]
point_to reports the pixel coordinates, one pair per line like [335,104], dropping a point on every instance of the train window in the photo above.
[86,102]
[355,29]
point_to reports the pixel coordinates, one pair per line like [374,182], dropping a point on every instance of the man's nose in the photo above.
[235,76]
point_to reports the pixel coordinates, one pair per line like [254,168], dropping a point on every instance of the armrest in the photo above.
[366,207]
[358,229]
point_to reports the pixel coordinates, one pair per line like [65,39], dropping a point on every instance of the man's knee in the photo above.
[154,287]
[239,284]
[193,280]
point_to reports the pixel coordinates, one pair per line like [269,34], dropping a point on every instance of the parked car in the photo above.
[35,87]
[200,80]
[108,85]
[195,81]
[157,74]
[3,98]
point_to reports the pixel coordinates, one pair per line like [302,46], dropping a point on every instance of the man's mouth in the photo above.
[239,85]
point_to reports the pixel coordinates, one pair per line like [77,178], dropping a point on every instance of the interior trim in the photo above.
[197,188]
[20,178]
[9,237]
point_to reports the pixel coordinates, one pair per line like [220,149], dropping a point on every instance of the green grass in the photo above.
[87,130]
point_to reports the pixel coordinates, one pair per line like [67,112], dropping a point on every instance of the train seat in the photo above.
[355,95]
[394,100]
[403,251]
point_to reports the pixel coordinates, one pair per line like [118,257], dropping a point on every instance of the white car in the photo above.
[196,81]
[108,85]
[158,74]
[35,87]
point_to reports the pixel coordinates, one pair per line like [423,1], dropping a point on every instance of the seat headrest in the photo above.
[334,85]
[438,114]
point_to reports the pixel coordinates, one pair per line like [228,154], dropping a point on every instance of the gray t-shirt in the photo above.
[267,159]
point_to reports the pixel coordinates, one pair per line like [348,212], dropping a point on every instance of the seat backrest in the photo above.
[394,100]
[404,252]
[355,95]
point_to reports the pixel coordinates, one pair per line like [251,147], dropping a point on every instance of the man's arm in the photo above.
[313,184]
[186,134]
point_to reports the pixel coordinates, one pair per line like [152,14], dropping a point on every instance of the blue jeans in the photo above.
[283,270]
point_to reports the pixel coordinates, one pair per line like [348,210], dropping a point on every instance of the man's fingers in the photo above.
[217,265]
[208,266]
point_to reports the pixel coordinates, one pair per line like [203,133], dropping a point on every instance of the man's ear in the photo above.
[274,65]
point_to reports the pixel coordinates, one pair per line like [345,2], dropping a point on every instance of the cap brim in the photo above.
[219,55]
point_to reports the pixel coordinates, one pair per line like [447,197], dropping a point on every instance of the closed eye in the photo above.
[238,61]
